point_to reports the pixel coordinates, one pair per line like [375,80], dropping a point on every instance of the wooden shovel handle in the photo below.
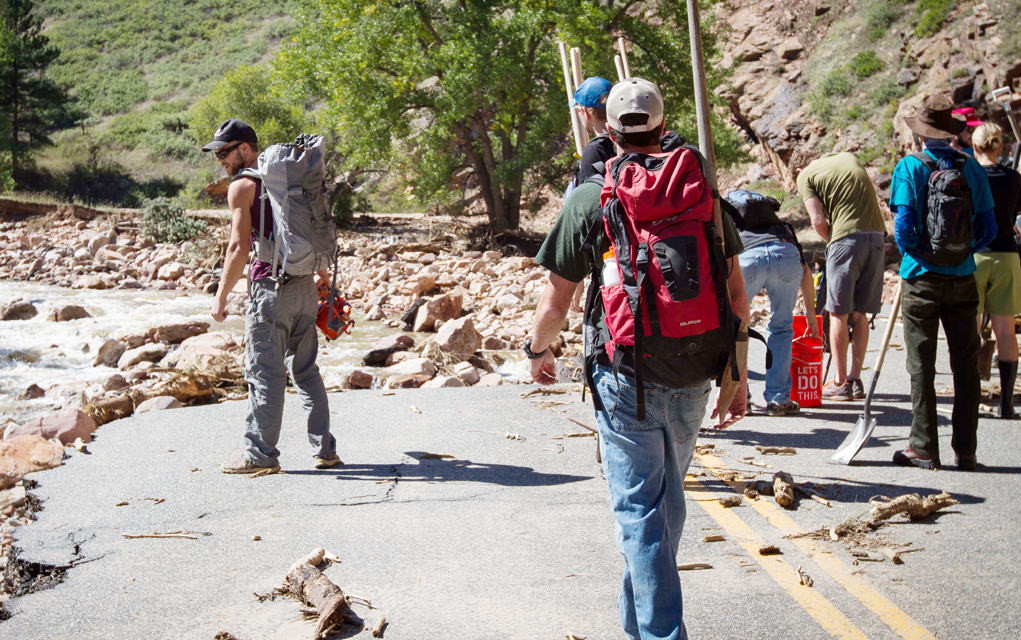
[889,328]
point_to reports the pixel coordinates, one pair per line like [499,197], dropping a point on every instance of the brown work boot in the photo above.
[244,465]
[911,458]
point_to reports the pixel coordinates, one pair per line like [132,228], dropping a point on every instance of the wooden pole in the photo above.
[623,57]
[568,83]
[620,68]
[705,132]
[579,77]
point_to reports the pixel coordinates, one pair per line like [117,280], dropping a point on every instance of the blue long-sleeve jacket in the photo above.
[905,230]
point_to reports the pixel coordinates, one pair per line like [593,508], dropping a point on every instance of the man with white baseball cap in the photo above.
[644,461]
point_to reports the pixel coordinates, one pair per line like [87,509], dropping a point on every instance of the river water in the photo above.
[46,353]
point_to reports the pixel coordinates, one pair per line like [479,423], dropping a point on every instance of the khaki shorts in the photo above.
[854,273]
[998,276]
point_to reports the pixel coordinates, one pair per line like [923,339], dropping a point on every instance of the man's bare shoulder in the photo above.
[241,193]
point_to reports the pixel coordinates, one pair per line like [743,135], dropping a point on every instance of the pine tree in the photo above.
[30,103]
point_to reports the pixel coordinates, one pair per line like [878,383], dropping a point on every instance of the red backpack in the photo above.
[658,212]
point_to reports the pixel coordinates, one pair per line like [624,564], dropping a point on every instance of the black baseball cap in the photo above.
[233,130]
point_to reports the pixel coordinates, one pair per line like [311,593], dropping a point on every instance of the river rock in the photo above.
[360,379]
[407,381]
[146,353]
[491,255]
[170,271]
[490,380]
[202,351]
[493,343]
[178,333]
[441,382]
[386,346]
[237,304]
[375,314]
[67,312]
[67,425]
[417,366]
[32,392]
[97,242]
[159,403]
[458,337]
[90,282]
[109,353]
[508,302]
[467,373]
[18,310]
[441,308]
[22,455]
[401,356]
[115,382]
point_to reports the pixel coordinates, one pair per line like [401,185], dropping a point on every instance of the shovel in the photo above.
[862,429]
[1004,95]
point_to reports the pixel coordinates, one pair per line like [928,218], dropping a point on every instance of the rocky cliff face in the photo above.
[817,76]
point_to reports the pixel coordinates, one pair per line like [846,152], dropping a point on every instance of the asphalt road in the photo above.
[510,537]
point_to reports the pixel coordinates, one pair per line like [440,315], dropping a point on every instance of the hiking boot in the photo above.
[789,408]
[857,388]
[966,463]
[840,392]
[244,465]
[327,461]
[910,458]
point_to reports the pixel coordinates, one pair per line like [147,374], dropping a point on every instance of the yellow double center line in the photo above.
[817,606]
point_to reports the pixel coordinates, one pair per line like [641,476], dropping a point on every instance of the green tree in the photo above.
[248,93]
[31,104]
[428,88]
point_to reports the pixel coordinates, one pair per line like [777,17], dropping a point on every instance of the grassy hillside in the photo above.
[135,67]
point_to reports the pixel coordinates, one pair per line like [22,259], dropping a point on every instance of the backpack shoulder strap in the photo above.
[926,159]
[247,173]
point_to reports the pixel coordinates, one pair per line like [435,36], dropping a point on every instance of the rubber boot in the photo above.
[1008,374]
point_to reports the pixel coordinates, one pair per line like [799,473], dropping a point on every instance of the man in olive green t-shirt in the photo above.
[844,209]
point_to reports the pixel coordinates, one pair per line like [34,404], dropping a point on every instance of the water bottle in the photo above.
[611,274]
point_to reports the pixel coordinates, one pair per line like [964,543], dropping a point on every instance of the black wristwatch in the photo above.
[530,354]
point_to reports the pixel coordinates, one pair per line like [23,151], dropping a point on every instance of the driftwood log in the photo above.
[783,489]
[308,584]
[915,506]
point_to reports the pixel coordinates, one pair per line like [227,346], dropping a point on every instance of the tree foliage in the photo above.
[30,103]
[433,87]
[247,93]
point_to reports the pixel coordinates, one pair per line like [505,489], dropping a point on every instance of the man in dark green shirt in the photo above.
[644,461]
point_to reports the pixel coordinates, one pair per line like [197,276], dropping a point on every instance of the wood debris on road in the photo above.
[694,566]
[779,451]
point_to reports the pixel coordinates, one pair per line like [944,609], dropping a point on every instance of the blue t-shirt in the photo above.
[909,188]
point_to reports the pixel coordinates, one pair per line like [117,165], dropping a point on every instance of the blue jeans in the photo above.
[777,267]
[645,464]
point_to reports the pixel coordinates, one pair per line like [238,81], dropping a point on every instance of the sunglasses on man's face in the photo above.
[222,154]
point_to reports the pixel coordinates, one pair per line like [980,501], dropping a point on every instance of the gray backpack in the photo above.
[304,238]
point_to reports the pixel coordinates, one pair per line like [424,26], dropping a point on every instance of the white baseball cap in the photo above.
[634,95]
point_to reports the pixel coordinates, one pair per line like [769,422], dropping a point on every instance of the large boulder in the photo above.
[491,380]
[237,304]
[418,366]
[18,310]
[109,353]
[407,381]
[159,403]
[146,353]
[22,455]
[360,379]
[441,308]
[170,271]
[178,333]
[386,346]
[90,281]
[203,351]
[67,312]
[467,373]
[458,337]
[67,425]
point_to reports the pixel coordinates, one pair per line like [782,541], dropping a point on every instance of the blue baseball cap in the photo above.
[590,91]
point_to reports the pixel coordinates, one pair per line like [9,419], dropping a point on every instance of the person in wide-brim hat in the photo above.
[935,118]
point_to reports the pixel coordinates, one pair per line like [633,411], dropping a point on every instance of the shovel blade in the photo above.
[855,440]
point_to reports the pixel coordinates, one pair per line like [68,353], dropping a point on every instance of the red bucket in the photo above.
[806,365]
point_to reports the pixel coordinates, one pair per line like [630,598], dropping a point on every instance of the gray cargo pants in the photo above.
[280,336]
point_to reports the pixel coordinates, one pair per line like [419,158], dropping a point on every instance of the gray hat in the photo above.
[632,96]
